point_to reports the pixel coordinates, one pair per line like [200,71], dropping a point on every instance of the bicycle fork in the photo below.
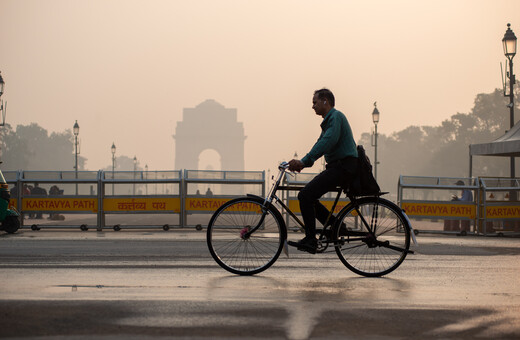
[246,233]
[372,240]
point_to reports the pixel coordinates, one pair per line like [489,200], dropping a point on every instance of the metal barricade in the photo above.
[499,208]
[53,194]
[426,200]
[135,198]
[126,198]
[206,190]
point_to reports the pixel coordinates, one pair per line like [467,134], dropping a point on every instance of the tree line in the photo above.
[32,148]
[444,150]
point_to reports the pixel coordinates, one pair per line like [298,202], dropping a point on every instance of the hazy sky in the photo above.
[126,69]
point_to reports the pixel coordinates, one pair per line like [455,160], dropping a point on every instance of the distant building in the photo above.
[209,126]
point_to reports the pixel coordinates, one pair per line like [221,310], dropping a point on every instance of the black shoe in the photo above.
[308,244]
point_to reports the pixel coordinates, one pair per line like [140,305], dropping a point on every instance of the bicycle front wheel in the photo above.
[244,237]
[376,239]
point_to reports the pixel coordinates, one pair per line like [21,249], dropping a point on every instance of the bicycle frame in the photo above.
[370,227]
[272,196]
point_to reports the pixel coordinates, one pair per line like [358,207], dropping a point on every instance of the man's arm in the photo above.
[325,142]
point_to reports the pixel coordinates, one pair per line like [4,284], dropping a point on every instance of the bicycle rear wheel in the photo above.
[233,242]
[377,238]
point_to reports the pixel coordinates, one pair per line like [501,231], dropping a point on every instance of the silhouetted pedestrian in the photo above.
[38,191]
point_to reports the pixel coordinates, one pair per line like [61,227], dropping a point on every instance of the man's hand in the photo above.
[296,165]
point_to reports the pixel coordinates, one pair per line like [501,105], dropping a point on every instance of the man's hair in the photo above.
[327,95]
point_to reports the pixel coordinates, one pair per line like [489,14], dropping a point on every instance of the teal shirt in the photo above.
[336,140]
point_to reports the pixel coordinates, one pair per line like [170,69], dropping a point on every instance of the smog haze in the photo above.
[126,70]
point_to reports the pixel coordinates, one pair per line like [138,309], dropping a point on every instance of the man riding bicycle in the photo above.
[337,144]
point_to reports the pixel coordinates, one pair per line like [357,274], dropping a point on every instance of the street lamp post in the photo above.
[509,42]
[113,150]
[135,169]
[76,133]
[146,178]
[2,109]
[375,119]
[2,84]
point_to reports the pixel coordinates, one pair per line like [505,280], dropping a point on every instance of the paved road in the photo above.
[135,284]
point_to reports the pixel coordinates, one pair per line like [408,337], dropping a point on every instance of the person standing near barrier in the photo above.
[38,191]
[466,195]
[55,191]
[459,225]
[14,191]
[337,144]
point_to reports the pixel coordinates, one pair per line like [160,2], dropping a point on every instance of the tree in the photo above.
[444,150]
[15,152]
[31,148]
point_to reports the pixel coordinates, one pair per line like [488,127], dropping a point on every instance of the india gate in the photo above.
[209,126]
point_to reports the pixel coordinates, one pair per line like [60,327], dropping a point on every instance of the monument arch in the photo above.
[209,125]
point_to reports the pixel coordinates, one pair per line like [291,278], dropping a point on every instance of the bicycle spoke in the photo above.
[231,242]
[386,243]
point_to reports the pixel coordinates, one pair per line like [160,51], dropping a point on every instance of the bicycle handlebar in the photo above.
[283,166]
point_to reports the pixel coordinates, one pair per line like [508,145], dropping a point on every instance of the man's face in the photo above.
[318,106]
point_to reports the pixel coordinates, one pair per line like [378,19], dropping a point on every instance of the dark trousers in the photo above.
[334,175]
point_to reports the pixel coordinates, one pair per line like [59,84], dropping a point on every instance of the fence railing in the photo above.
[124,198]
[499,208]
[183,198]
[463,205]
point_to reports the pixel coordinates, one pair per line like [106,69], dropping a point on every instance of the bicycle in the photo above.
[371,235]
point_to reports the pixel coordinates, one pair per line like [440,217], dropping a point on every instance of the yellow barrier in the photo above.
[212,204]
[502,211]
[439,209]
[142,204]
[91,204]
[60,204]
[294,205]
[459,210]
[204,203]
